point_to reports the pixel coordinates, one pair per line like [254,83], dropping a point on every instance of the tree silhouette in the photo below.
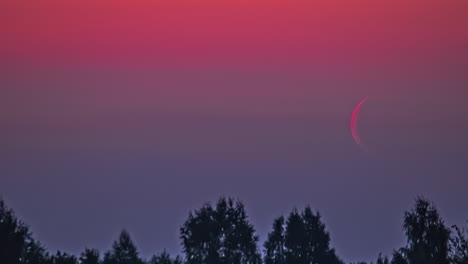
[274,245]
[427,236]
[63,258]
[13,236]
[220,235]
[123,251]
[382,260]
[295,239]
[399,257]
[34,253]
[90,256]
[459,246]
[303,240]
[318,239]
[165,258]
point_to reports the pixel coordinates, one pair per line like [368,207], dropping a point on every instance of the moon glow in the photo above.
[353,124]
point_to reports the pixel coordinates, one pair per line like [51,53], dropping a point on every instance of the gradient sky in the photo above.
[127,114]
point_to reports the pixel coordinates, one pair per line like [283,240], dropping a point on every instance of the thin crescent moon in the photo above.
[353,123]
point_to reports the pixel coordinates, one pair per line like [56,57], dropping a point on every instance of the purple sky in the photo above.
[78,166]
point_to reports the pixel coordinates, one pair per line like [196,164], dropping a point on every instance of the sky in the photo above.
[129,114]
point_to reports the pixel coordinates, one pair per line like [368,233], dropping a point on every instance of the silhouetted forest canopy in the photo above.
[222,234]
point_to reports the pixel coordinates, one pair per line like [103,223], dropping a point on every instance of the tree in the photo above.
[63,258]
[165,258]
[427,236]
[90,256]
[399,257]
[34,253]
[318,239]
[459,246]
[382,260]
[123,251]
[306,239]
[219,235]
[178,260]
[274,245]
[295,239]
[13,236]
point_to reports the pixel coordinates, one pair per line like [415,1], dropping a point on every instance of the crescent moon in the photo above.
[353,124]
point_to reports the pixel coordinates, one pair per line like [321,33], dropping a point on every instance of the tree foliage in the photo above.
[35,253]
[459,246]
[302,239]
[274,245]
[427,236]
[123,251]
[220,235]
[165,258]
[382,260]
[295,239]
[90,256]
[399,257]
[63,258]
[13,236]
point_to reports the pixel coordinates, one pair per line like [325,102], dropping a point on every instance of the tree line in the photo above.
[222,234]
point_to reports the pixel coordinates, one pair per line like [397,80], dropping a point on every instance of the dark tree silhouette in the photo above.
[318,239]
[123,251]
[427,236]
[90,256]
[399,257]
[13,236]
[274,245]
[165,258]
[304,240]
[63,258]
[35,253]
[220,235]
[295,239]
[459,246]
[382,260]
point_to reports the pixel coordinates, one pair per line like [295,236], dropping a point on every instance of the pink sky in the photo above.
[243,33]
